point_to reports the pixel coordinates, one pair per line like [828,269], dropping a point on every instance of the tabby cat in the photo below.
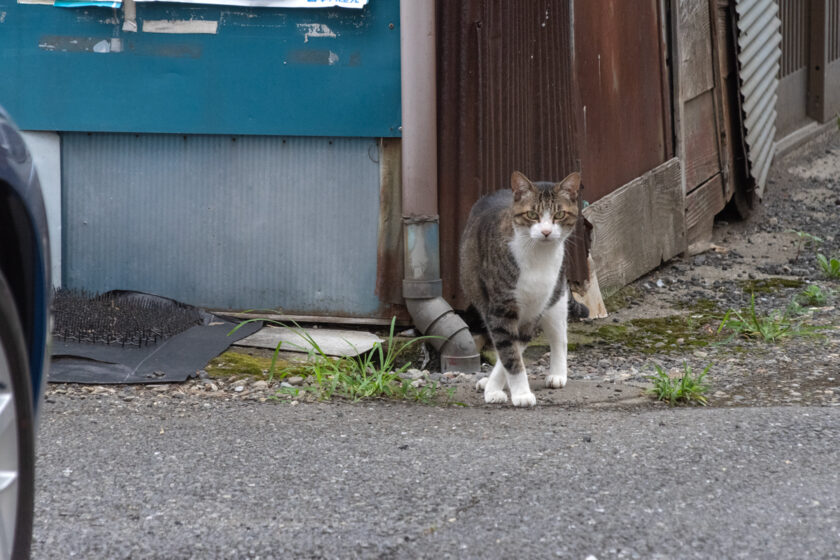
[512,254]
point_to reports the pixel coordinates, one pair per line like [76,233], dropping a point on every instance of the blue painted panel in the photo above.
[302,72]
[250,222]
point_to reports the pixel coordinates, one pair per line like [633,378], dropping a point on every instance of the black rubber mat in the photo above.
[131,338]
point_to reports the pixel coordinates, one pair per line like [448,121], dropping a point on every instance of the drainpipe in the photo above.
[422,287]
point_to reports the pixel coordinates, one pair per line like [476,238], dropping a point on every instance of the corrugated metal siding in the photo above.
[794,18]
[792,102]
[759,56]
[224,222]
[505,102]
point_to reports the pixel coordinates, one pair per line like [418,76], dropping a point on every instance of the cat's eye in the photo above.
[560,215]
[531,215]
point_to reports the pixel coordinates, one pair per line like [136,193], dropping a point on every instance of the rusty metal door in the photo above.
[506,101]
[624,91]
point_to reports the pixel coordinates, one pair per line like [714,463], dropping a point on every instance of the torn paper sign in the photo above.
[357,4]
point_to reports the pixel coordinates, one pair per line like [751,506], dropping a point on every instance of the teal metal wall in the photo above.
[296,72]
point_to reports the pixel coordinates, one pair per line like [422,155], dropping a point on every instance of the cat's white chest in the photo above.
[538,273]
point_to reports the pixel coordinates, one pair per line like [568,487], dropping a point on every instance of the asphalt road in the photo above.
[202,478]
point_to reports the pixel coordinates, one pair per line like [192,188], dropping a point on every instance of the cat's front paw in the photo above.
[481,383]
[555,381]
[495,397]
[524,399]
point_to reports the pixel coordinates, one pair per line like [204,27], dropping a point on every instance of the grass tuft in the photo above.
[830,266]
[372,375]
[750,324]
[687,389]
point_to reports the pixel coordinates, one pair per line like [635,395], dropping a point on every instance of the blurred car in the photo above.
[25,291]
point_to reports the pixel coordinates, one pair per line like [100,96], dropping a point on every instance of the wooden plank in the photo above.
[706,199]
[666,84]
[695,40]
[726,96]
[701,205]
[389,247]
[725,46]
[638,226]
[701,142]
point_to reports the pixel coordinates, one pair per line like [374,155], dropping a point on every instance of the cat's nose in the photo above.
[546,231]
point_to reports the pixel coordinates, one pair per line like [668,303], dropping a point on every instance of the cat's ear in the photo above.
[519,184]
[570,185]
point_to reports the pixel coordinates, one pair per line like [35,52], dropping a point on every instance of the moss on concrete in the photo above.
[621,298]
[672,333]
[248,363]
[769,285]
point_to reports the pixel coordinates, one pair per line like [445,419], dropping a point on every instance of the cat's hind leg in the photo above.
[554,323]
[493,385]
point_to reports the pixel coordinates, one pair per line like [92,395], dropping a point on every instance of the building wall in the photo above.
[236,167]
[301,72]
[247,222]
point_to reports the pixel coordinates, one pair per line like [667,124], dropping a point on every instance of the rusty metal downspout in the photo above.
[422,287]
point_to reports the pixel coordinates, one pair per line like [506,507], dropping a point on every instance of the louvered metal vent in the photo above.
[759,56]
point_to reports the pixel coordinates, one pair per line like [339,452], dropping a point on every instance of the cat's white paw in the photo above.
[495,397]
[481,383]
[524,399]
[555,381]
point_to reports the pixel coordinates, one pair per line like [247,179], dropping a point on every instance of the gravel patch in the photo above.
[761,257]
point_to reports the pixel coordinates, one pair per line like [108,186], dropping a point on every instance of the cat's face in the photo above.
[544,212]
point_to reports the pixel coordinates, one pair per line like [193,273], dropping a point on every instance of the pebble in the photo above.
[412,373]
[295,380]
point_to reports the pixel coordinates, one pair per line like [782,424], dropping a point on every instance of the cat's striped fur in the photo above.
[512,253]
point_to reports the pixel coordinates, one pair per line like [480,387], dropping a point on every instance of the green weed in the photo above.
[372,375]
[749,323]
[813,296]
[687,389]
[829,266]
[805,239]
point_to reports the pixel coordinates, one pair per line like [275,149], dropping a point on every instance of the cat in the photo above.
[511,267]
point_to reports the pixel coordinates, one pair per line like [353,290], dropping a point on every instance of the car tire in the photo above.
[17,487]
